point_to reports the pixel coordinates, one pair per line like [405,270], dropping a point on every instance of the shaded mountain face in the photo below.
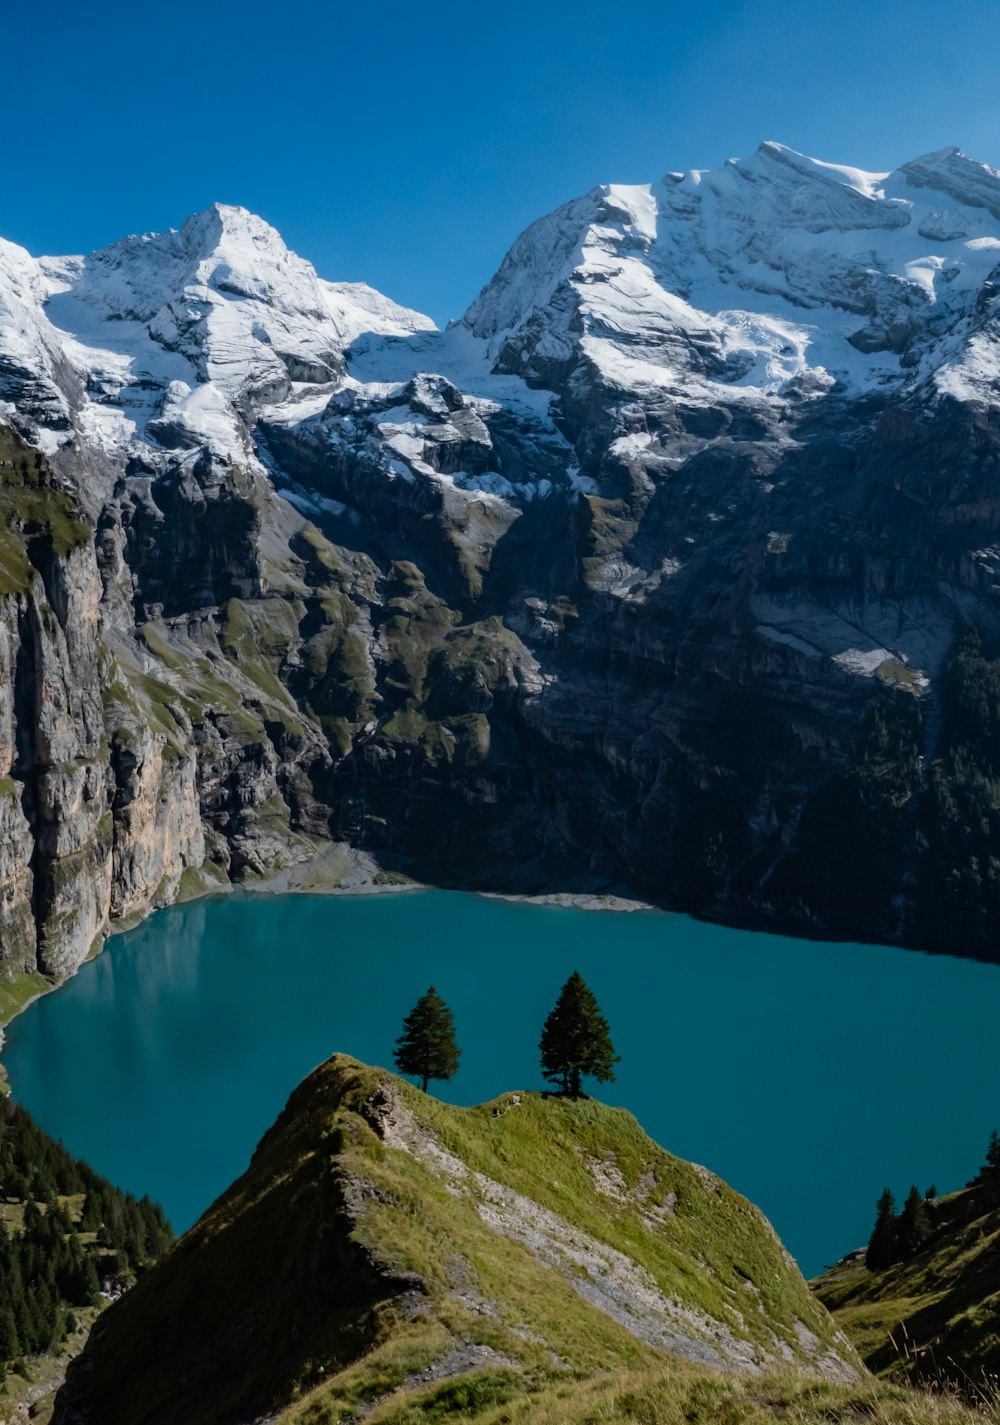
[383,1247]
[671,564]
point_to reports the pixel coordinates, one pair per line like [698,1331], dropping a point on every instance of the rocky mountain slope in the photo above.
[935,1316]
[671,564]
[384,1245]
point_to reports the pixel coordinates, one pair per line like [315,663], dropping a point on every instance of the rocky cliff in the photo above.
[672,564]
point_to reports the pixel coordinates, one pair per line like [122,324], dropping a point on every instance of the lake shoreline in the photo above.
[341,870]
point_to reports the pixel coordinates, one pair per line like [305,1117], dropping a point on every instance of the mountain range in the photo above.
[671,565]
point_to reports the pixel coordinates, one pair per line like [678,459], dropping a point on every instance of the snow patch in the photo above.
[862,661]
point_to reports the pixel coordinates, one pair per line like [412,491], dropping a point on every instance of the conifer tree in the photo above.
[427,1048]
[10,1346]
[914,1224]
[90,1219]
[883,1245]
[989,1173]
[576,1040]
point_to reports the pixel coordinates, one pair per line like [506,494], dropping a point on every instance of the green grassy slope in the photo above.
[937,1315]
[391,1257]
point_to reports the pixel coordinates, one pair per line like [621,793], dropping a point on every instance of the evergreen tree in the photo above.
[576,1040]
[10,1346]
[426,1048]
[914,1224]
[989,1173]
[90,1218]
[883,1245]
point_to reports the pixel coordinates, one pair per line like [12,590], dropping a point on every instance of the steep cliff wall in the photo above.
[88,830]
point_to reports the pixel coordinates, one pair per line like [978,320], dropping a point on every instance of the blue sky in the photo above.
[407,145]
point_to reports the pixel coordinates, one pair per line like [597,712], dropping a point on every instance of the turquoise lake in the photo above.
[807,1074]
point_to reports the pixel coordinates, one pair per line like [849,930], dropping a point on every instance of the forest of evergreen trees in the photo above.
[66,1234]
[959,899]
[915,810]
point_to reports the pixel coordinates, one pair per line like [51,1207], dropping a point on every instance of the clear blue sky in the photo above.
[408,144]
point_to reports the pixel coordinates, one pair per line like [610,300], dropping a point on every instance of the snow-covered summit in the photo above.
[773,279]
[176,335]
[133,278]
[777,274]
[223,250]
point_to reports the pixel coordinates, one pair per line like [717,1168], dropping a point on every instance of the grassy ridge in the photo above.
[712,1243]
[676,1394]
[385,1255]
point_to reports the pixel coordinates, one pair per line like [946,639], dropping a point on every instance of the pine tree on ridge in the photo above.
[914,1224]
[883,1245]
[426,1048]
[576,1040]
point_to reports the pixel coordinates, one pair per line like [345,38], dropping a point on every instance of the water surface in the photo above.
[808,1074]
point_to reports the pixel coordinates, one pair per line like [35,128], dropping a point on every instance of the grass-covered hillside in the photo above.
[935,1315]
[390,1257]
[68,1240]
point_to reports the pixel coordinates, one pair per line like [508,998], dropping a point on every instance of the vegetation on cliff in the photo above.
[68,1239]
[925,1303]
[959,898]
[35,508]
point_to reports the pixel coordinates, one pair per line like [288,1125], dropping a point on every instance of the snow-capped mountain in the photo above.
[613,577]
[183,333]
[774,280]
[775,275]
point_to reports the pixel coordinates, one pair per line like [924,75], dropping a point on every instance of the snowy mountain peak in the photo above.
[769,152]
[951,172]
[222,247]
[787,188]
[774,276]
[174,336]
[218,221]
[232,244]
[772,280]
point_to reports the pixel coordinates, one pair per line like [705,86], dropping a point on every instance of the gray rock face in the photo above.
[650,570]
[83,835]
